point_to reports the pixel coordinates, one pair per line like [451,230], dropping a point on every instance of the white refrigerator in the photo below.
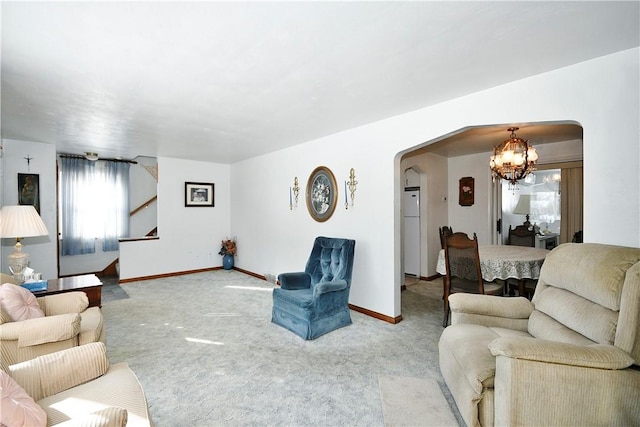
[412,232]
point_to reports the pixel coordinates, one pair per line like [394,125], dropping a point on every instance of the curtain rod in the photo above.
[80,156]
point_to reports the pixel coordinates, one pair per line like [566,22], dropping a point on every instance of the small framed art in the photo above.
[322,194]
[29,190]
[198,194]
[466,191]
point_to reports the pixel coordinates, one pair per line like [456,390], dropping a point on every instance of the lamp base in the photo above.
[18,261]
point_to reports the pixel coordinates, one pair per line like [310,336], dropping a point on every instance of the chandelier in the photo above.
[513,159]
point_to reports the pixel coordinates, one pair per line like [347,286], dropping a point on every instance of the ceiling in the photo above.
[226,81]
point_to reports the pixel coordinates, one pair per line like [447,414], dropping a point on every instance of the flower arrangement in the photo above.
[228,247]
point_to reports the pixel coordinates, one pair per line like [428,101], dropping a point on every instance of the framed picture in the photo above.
[198,194]
[29,190]
[466,191]
[322,194]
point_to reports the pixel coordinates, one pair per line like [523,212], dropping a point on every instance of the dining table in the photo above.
[506,262]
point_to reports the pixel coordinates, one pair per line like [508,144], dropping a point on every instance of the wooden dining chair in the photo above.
[521,236]
[463,270]
[444,232]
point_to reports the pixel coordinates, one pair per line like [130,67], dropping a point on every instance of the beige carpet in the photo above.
[207,354]
[409,401]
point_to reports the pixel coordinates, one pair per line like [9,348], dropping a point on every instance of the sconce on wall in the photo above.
[293,194]
[351,184]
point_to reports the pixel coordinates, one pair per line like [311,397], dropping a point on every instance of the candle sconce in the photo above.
[294,192]
[351,184]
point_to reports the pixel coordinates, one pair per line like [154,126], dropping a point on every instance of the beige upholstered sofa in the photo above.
[68,321]
[569,357]
[77,387]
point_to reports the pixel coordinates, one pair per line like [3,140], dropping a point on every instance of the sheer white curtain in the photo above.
[94,203]
[76,178]
[116,211]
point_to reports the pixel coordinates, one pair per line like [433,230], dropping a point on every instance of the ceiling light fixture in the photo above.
[513,159]
[91,156]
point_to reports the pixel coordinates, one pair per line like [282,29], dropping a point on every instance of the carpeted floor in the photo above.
[205,351]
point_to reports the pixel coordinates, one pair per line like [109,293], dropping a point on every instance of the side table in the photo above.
[88,283]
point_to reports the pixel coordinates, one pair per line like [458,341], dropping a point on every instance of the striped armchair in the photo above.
[68,322]
[77,386]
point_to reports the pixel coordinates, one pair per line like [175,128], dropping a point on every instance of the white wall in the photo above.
[602,95]
[42,250]
[189,237]
[143,186]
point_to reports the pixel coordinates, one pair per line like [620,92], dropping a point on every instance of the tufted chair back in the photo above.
[331,259]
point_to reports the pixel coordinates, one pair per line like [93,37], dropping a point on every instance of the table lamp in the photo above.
[524,208]
[19,222]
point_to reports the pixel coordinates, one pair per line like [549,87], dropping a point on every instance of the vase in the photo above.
[227,262]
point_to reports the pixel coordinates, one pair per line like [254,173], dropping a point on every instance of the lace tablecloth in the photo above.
[505,262]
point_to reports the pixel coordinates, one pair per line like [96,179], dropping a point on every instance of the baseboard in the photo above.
[376,315]
[370,313]
[160,276]
[251,273]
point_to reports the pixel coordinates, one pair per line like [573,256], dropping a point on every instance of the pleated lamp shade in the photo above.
[21,221]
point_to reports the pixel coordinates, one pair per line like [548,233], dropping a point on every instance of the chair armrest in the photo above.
[41,330]
[588,356]
[489,305]
[490,311]
[110,416]
[69,302]
[55,372]
[300,280]
[324,287]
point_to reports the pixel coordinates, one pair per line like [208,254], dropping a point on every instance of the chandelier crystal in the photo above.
[513,159]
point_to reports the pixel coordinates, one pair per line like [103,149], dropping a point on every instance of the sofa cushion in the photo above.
[588,319]
[19,303]
[18,408]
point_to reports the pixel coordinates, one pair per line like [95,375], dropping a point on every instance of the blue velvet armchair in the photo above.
[316,301]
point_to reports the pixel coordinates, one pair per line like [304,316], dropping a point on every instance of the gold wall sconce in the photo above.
[351,184]
[294,192]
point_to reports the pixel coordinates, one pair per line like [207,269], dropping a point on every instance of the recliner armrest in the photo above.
[292,281]
[599,356]
[324,287]
[489,305]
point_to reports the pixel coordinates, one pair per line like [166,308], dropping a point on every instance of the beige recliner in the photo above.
[571,356]
[68,322]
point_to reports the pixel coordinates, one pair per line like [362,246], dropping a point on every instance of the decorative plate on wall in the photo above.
[322,194]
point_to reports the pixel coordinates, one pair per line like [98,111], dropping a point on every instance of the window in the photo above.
[94,204]
[555,196]
[538,195]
